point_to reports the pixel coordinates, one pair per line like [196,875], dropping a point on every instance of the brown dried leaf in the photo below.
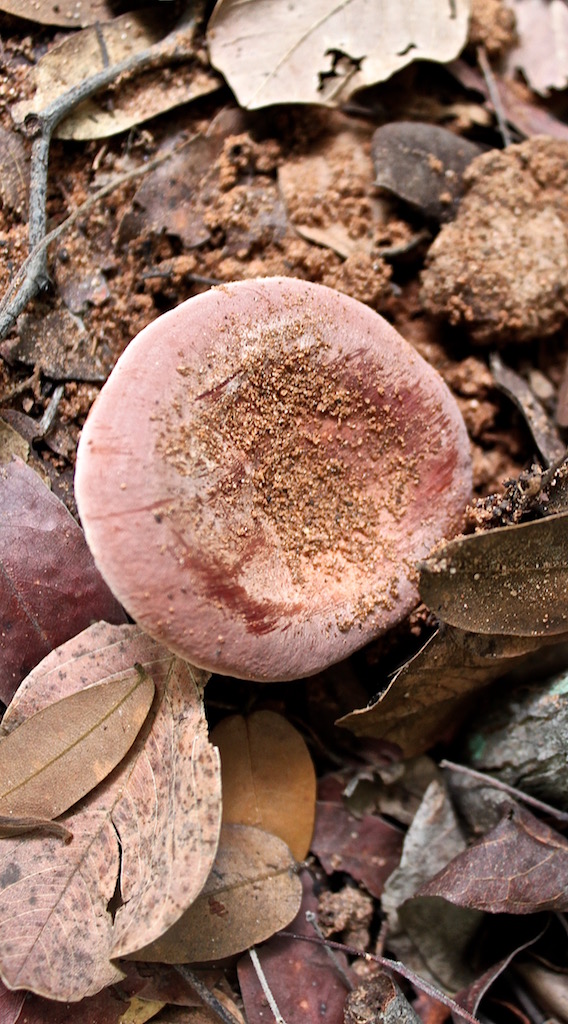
[73,14]
[163,801]
[366,848]
[268,777]
[512,580]
[422,164]
[545,435]
[322,53]
[253,891]
[44,560]
[425,698]
[519,867]
[81,55]
[61,753]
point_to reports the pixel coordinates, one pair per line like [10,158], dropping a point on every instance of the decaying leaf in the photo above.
[253,891]
[428,696]
[88,52]
[379,1000]
[512,580]
[268,777]
[45,562]
[162,803]
[322,52]
[367,848]
[72,14]
[431,937]
[519,867]
[422,164]
[61,753]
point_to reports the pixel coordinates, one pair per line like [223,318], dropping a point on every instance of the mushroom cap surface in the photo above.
[261,473]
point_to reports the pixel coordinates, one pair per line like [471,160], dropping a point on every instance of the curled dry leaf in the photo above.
[512,580]
[519,867]
[545,434]
[77,57]
[162,804]
[268,777]
[321,52]
[45,562]
[252,892]
[428,696]
[61,753]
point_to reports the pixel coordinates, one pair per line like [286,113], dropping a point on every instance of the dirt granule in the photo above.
[501,267]
[492,24]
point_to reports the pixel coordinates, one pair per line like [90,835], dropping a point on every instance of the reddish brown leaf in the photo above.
[367,848]
[303,980]
[520,867]
[49,586]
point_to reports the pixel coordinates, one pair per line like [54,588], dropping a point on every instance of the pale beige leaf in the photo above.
[252,892]
[80,56]
[322,51]
[168,846]
[64,751]
[70,14]
[541,52]
[268,777]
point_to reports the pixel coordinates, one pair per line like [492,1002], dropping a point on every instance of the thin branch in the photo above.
[206,995]
[494,95]
[391,965]
[42,126]
[517,794]
[265,986]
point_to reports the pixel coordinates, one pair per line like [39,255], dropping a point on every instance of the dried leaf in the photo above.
[52,339]
[321,52]
[432,937]
[542,49]
[368,848]
[162,803]
[545,435]
[304,981]
[14,172]
[45,561]
[252,892]
[64,751]
[268,777]
[73,14]
[422,164]
[12,443]
[81,55]
[428,696]
[512,580]
[379,1000]
[519,867]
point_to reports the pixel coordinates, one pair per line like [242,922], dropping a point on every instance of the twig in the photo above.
[206,994]
[494,95]
[391,965]
[265,987]
[311,919]
[22,286]
[518,794]
[42,126]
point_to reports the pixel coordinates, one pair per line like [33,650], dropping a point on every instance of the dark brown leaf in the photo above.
[422,164]
[425,699]
[545,435]
[512,580]
[45,564]
[520,867]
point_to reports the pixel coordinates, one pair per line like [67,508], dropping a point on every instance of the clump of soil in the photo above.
[501,267]
[492,25]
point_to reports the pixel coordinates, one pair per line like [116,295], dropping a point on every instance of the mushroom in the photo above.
[261,473]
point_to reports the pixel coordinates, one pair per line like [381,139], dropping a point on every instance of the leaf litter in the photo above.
[457,660]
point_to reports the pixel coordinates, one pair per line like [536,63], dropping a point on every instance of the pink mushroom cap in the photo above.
[261,473]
